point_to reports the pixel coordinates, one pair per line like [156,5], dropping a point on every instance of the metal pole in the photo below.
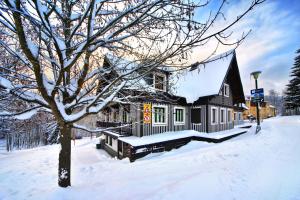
[257,107]
[257,112]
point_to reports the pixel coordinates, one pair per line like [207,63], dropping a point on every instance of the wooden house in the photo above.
[266,109]
[207,99]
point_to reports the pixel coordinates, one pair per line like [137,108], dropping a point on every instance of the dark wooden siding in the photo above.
[150,129]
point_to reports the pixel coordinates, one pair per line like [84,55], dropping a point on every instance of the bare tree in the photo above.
[61,44]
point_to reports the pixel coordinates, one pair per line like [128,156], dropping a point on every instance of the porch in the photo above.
[120,128]
[138,147]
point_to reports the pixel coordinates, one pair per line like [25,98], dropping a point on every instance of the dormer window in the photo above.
[160,82]
[226,90]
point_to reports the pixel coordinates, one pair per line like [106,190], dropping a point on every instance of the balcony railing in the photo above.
[121,128]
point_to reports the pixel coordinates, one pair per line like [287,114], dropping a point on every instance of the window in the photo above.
[226,90]
[196,115]
[214,115]
[120,146]
[106,139]
[110,140]
[222,120]
[234,116]
[160,82]
[125,116]
[179,115]
[159,116]
[229,116]
[115,116]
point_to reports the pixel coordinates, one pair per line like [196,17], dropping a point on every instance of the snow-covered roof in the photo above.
[123,66]
[206,79]
[167,136]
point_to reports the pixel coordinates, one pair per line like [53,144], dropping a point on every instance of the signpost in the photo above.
[257,95]
[147,113]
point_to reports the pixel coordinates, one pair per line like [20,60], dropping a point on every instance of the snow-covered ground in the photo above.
[263,166]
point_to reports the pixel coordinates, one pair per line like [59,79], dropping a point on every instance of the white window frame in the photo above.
[224,116]
[229,120]
[226,86]
[164,82]
[166,115]
[176,122]
[211,118]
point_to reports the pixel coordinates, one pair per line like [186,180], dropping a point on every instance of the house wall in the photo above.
[265,111]
[136,118]
[110,149]
[202,126]
[140,129]
[218,126]
[239,118]
[89,122]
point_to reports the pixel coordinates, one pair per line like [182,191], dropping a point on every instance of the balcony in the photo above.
[124,129]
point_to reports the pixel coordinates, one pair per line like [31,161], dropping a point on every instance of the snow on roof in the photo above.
[205,80]
[123,66]
[173,135]
[244,106]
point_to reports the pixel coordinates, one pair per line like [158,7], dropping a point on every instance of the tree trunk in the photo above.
[64,165]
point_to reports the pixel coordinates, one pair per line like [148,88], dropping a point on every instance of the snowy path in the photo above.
[260,167]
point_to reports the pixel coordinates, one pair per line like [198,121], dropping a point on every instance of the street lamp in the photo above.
[255,76]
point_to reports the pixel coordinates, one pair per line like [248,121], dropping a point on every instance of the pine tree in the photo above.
[292,98]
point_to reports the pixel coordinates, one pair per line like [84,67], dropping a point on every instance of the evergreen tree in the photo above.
[292,98]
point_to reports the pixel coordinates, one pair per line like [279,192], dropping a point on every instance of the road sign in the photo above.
[147,113]
[257,95]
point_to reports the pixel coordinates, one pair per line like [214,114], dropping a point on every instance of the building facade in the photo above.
[266,110]
[207,99]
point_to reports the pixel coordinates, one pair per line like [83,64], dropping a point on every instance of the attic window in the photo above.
[159,82]
[226,90]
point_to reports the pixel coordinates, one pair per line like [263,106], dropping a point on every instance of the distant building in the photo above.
[266,110]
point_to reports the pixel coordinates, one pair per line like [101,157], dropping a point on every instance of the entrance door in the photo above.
[196,118]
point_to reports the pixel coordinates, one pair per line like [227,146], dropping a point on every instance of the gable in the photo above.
[233,78]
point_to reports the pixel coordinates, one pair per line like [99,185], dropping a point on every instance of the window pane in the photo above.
[222,115]
[159,115]
[159,82]
[179,115]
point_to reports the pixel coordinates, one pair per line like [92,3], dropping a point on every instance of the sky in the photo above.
[271,45]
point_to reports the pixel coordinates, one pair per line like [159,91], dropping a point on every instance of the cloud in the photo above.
[270,48]
[271,45]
